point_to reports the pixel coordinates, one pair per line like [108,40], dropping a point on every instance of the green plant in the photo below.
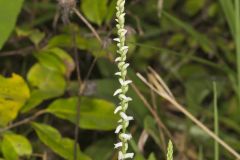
[190,44]
[170,151]
[121,129]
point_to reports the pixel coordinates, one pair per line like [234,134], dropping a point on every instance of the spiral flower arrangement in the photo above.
[122,50]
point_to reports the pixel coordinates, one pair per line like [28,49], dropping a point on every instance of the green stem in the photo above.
[237,41]
[216,125]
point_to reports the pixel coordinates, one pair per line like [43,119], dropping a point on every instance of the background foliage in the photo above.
[190,43]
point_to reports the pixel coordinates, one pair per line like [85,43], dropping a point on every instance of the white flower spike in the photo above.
[121,92]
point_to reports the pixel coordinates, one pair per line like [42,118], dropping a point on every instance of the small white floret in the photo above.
[127,82]
[128,155]
[124,83]
[123,31]
[117,39]
[119,127]
[126,136]
[125,117]
[125,66]
[119,108]
[124,48]
[118,91]
[118,59]
[118,73]
[125,98]
[117,145]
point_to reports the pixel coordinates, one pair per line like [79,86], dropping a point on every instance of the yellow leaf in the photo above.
[13,94]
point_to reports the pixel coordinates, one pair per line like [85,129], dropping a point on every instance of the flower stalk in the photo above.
[122,50]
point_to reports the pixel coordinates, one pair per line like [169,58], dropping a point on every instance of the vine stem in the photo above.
[24,121]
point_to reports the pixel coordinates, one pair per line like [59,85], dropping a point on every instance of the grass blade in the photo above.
[228,9]
[216,125]
[200,153]
[237,42]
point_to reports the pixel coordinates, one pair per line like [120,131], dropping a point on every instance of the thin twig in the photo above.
[24,121]
[81,87]
[81,84]
[88,24]
[79,80]
[22,52]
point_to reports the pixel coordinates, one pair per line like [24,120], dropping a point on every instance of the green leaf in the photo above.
[82,43]
[15,146]
[46,83]
[23,32]
[36,36]
[48,77]
[51,62]
[9,13]
[56,59]
[47,80]
[64,147]
[37,97]
[228,9]
[65,40]
[13,94]
[95,10]
[94,114]
[66,60]
[111,11]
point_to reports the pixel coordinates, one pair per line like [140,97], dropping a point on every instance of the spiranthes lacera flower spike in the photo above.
[121,92]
